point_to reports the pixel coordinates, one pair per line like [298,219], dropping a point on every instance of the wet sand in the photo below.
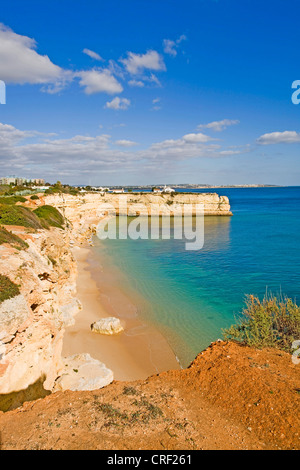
[137,353]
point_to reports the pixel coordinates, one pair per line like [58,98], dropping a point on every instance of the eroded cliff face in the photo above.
[32,324]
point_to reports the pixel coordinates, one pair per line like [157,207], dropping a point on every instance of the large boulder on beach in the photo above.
[83,373]
[107,326]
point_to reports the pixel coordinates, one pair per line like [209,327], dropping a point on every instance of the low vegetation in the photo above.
[12,200]
[20,216]
[8,289]
[270,323]
[50,216]
[60,188]
[34,198]
[11,239]
[43,217]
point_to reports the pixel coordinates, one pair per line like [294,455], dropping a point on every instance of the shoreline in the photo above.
[136,354]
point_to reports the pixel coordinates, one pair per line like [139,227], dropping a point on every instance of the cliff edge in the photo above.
[231,397]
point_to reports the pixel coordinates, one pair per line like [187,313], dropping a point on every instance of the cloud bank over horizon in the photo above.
[23,152]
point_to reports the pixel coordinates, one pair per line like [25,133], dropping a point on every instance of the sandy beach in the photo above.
[137,353]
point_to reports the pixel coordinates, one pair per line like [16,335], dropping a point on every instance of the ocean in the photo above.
[191,296]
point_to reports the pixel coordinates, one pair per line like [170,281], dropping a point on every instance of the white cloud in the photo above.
[116,69]
[152,79]
[137,63]
[136,83]
[92,54]
[230,152]
[20,63]
[171,47]
[188,141]
[219,126]
[125,143]
[196,138]
[287,137]
[118,103]
[99,81]
[10,136]
[156,107]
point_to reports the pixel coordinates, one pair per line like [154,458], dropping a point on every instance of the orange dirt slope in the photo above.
[231,397]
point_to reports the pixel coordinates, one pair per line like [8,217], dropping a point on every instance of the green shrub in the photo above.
[11,239]
[34,198]
[50,215]
[53,190]
[18,215]
[8,289]
[271,323]
[12,200]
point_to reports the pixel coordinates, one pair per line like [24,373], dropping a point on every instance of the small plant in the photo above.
[35,198]
[12,200]
[8,290]
[18,215]
[49,215]
[110,412]
[52,260]
[271,323]
[129,391]
[11,239]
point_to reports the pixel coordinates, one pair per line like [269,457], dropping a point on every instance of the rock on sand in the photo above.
[107,326]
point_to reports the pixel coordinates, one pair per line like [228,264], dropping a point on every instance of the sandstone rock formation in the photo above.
[81,372]
[107,326]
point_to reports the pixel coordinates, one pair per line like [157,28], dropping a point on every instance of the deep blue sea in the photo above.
[191,295]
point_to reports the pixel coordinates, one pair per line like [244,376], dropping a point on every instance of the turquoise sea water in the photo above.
[192,295]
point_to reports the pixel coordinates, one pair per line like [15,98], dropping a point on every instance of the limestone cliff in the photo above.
[32,323]
[85,210]
[124,204]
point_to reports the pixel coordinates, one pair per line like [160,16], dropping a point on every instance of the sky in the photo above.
[132,92]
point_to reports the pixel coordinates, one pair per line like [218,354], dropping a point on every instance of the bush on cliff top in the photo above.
[12,200]
[18,215]
[50,215]
[271,323]
[8,289]
[11,239]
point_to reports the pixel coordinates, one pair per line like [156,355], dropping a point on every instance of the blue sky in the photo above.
[148,92]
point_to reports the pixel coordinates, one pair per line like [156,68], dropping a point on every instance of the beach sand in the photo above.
[137,353]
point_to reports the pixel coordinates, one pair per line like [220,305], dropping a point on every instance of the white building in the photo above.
[118,191]
[168,190]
